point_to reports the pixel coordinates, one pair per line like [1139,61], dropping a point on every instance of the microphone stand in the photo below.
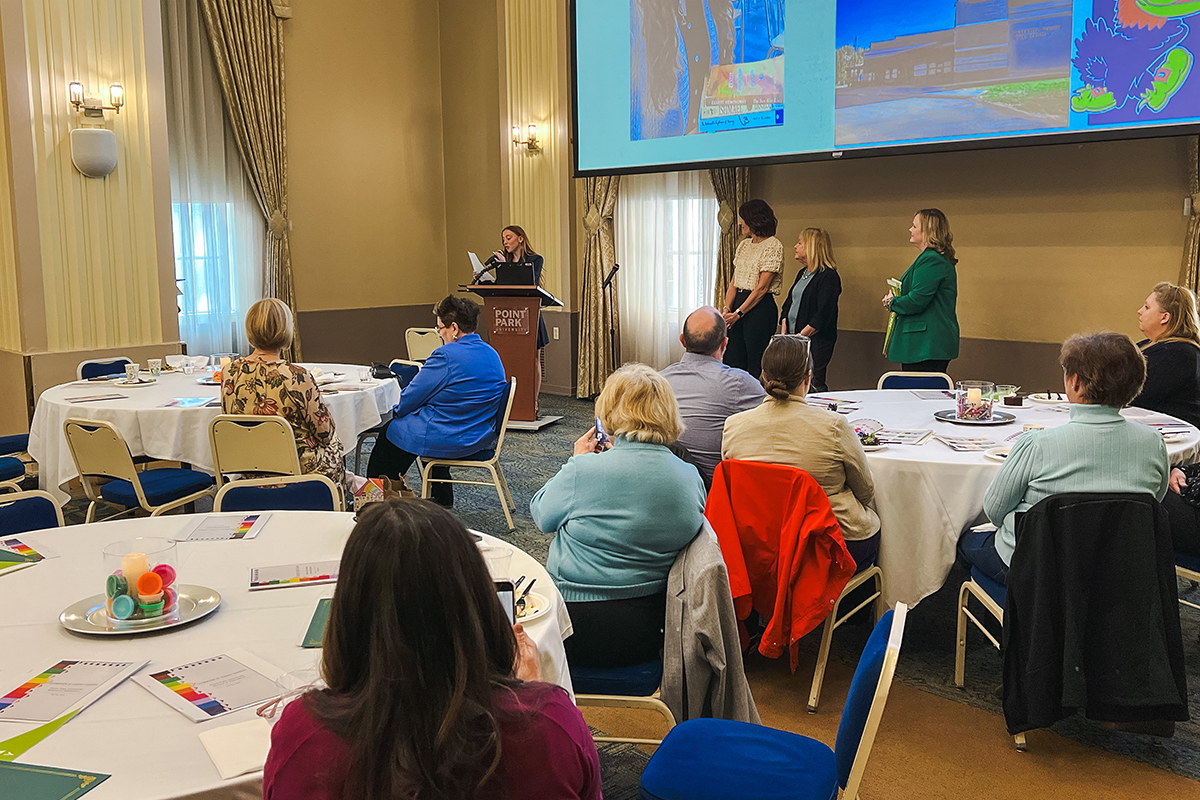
[612,323]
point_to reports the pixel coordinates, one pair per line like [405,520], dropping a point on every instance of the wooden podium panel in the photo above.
[511,315]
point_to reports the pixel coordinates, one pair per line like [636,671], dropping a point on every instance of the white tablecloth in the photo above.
[151,750]
[177,434]
[927,494]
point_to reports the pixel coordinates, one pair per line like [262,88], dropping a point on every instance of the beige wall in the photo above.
[1052,240]
[365,163]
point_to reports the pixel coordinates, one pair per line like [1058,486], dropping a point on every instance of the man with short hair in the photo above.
[708,390]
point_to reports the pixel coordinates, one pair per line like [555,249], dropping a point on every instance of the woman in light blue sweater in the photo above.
[1097,451]
[622,512]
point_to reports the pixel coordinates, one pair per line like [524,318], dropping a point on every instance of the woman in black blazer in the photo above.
[520,265]
[1169,320]
[811,307]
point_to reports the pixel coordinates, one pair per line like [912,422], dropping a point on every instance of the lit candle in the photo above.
[133,565]
[974,397]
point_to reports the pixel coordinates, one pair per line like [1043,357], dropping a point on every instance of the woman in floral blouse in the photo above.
[264,383]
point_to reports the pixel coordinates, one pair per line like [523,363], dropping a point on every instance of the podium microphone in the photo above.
[611,274]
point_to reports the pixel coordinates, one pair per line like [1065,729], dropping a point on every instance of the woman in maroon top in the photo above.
[425,695]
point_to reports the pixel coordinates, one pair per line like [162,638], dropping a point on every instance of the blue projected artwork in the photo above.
[709,82]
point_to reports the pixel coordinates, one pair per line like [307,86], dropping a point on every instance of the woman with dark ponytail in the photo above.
[785,429]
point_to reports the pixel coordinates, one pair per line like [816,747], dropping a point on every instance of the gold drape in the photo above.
[595,343]
[247,44]
[1189,269]
[732,187]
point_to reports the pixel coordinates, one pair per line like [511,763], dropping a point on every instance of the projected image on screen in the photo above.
[702,66]
[912,70]
[1134,62]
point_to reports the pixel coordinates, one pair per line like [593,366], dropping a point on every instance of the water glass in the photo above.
[187,365]
[498,559]
[975,400]
[131,372]
[364,374]
[155,366]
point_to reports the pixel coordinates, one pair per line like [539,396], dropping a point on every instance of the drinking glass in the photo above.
[498,559]
[155,366]
[364,374]
[131,372]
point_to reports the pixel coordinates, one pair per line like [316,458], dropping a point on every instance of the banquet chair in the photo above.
[28,511]
[421,342]
[915,380]
[707,759]
[991,596]
[488,459]
[99,451]
[1188,568]
[636,687]
[97,367]
[404,371]
[252,443]
[311,492]
[12,469]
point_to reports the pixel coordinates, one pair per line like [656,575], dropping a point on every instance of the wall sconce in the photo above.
[94,147]
[530,141]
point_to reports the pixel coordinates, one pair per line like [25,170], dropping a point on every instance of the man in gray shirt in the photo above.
[708,391]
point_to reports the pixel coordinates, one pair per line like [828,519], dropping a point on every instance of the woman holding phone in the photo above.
[621,513]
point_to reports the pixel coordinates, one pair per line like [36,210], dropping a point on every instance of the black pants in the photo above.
[822,351]
[932,365]
[1185,524]
[617,633]
[750,335]
[389,460]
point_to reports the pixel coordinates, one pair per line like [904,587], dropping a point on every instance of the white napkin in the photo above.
[238,749]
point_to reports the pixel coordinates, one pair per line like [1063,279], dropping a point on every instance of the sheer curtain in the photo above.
[667,240]
[218,227]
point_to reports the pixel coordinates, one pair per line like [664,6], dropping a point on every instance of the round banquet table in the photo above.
[180,434]
[927,494]
[111,735]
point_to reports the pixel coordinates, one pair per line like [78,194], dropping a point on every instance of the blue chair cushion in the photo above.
[405,373]
[639,680]
[11,469]
[309,496]
[27,514]
[17,443]
[159,485]
[913,382]
[482,455]
[996,591]
[860,697]
[116,367]
[717,759]
[1187,562]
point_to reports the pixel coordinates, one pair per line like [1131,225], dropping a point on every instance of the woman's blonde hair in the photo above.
[786,363]
[935,228]
[638,403]
[1180,303]
[269,324]
[818,249]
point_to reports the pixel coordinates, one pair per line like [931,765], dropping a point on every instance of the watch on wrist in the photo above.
[739,313]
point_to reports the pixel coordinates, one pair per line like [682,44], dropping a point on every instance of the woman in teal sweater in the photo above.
[622,512]
[925,338]
[1097,451]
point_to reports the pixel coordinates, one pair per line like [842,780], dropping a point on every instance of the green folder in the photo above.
[31,782]
[316,627]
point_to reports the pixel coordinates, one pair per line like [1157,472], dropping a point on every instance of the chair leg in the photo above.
[960,638]
[426,471]
[91,514]
[814,696]
[497,480]
[1019,739]
[507,491]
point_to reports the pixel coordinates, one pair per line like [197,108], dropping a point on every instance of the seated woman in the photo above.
[1172,350]
[263,383]
[425,694]
[1097,451]
[1183,507]
[622,513]
[449,409]
[787,430]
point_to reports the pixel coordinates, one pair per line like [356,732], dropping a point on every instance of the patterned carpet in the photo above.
[927,661]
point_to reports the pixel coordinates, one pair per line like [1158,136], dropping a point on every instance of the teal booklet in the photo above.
[316,627]
[31,782]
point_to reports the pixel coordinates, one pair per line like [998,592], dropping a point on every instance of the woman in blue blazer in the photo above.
[449,410]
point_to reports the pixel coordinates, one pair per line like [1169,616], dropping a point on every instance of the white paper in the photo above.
[220,529]
[478,268]
[308,574]
[964,444]
[23,544]
[212,687]
[63,687]
[238,749]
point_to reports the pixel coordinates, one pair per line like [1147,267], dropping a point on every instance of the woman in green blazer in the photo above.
[925,338]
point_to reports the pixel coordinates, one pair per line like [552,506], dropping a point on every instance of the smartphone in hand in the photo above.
[601,435]
[508,600]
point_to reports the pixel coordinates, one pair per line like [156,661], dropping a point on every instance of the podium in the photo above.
[511,317]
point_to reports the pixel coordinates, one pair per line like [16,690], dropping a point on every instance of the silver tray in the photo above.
[998,418]
[89,616]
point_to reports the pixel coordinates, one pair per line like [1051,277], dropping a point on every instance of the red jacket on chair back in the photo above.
[783,549]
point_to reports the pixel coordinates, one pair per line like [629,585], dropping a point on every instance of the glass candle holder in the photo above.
[140,583]
[975,400]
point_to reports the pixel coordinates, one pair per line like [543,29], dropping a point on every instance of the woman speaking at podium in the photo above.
[520,265]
